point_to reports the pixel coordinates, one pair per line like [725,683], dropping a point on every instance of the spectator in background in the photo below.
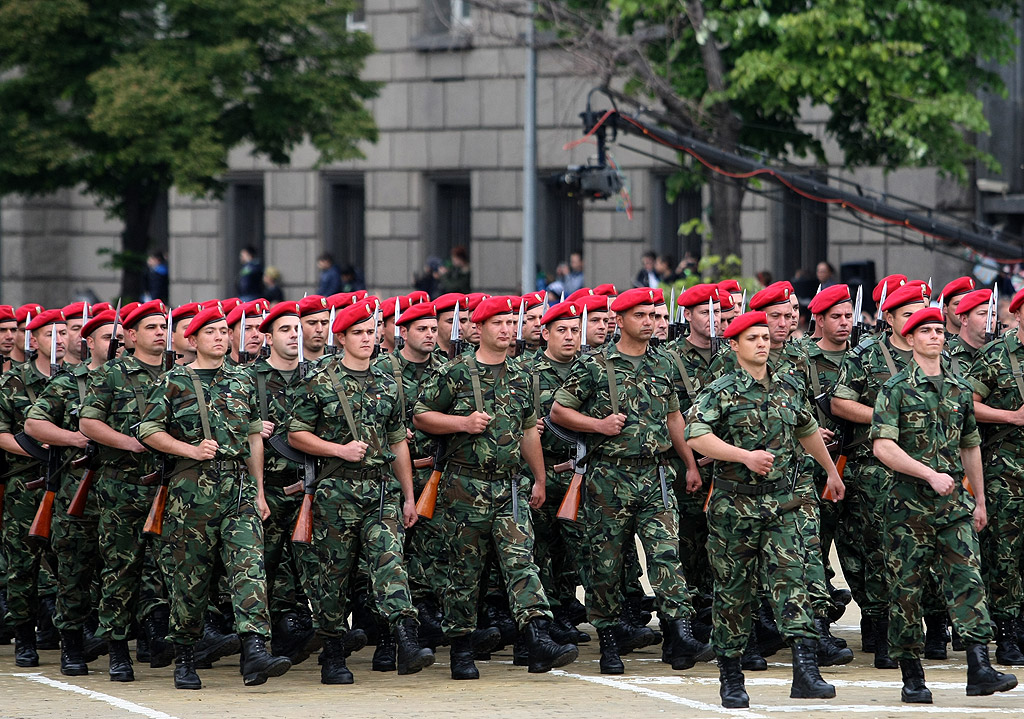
[455,276]
[272,285]
[427,280]
[826,274]
[665,267]
[351,279]
[804,286]
[647,276]
[330,276]
[556,290]
[764,278]
[158,279]
[250,278]
[574,280]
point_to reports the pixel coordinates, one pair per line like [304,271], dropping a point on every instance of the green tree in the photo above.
[899,78]
[128,98]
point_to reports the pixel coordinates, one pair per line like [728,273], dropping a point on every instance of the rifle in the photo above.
[169,356]
[243,356]
[114,342]
[88,460]
[154,525]
[520,342]
[570,507]
[858,321]
[303,532]
[428,497]
[42,524]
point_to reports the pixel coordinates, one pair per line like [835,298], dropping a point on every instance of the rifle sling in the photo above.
[613,390]
[261,392]
[204,411]
[396,371]
[816,388]
[1019,379]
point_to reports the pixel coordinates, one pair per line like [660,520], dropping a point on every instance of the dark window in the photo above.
[802,234]
[559,224]
[344,221]
[667,218]
[451,216]
[244,224]
[159,224]
[356,19]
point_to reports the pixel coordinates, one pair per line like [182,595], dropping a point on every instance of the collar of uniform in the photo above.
[917,377]
[612,352]
[1013,342]
[746,380]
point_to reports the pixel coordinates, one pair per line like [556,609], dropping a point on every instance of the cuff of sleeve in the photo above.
[531,421]
[979,389]
[92,413]
[299,426]
[971,440]
[37,413]
[256,427]
[567,400]
[885,431]
[147,429]
[420,408]
[844,392]
[396,437]
[806,430]
[697,429]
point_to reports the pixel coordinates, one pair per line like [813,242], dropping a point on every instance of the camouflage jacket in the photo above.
[546,376]
[788,359]
[928,423]
[749,414]
[960,355]
[646,395]
[172,406]
[275,399]
[60,401]
[991,376]
[693,372]
[506,398]
[19,388]
[113,397]
[373,399]
[822,376]
[409,379]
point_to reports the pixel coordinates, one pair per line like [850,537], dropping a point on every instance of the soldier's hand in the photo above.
[409,515]
[268,429]
[540,426]
[476,423]
[537,495]
[80,440]
[207,449]
[408,434]
[836,488]
[759,461]
[980,517]
[941,483]
[693,481]
[612,424]
[262,507]
[354,451]
[827,435]
[134,445]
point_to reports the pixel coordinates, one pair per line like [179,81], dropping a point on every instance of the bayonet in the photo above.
[169,356]
[243,356]
[83,344]
[303,364]
[879,322]
[584,347]
[858,324]
[990,328]
[114,342]
[54,365]
[810,323]
[265,347]
[330,348]
[455,338]
[399,342]
[712,331]
[673,331]
[743,302]
[376,328]
[995,308]
[520,342]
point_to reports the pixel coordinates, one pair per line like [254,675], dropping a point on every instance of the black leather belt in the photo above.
[754,490]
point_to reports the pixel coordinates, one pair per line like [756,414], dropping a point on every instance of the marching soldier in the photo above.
[8,335]
[952,294]
[315,316]
[253,312]
[972,312]
[923,429]
[22,314]
[445,308]
[387,314]
[180,317]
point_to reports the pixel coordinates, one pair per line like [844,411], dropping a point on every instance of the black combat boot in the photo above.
[731,687]
[47,636]
[686,650]
[6,629]
[611,662]
[752,661]
[412,657]
[807,681]
[430,632]
[333,669]
[769,638]
[257,663]
[155,625]
[215,644]
[935,636]
[292,639]
[462,658]
[521,651]
[545,653]
[120,661]
[1008,652]
[25,654]
[830,654]
[72,662]
[354,640]
[485,640]
[914,689]
[882,658]
[565,633]
[384,659]
[867,635]
[629,637]
[185,676]
[92,646]
[982,679]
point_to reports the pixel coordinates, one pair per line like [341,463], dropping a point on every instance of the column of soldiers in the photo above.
[229,477]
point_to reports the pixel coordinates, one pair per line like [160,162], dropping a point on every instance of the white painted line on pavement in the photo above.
[778,682]
[98,696]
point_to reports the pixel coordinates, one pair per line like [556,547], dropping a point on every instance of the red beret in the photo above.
[631,298]
[534,299]
[906,295]
[699,295]
[727,303]
[354,315]
[100,307]
[74,310]
[185,311]
[106,317]
[417,296]
[446,303]
[387,307]
[7,314]
[281,309]
[251,309]
[493,306]
[972,300]
[22,312]
[229,304]
[659,296]
[774,294]
[473,300]
[210,303]
[580,294]
[745,322]
[928,315]
[1015,303]
[562,311]
[592,303]
[344,299]
[314,304]
[893,282]
[46,317]
[729,286]
[153,307]
[128,309]
[829,298]
[419,311]
[959,286]
[920,283]
[204,317]
[607,289]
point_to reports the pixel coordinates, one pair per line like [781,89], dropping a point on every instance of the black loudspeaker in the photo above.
[860,273]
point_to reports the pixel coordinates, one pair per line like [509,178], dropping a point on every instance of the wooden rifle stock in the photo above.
[303,532]
[428,497]
[35,483]
[566,466]
[423,462]
[293,488]
[570,506]
[43,522]
[155,521]
[148,480]
[77,506]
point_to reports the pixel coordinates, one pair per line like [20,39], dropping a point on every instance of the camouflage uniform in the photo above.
[357,505]
[624,494]
[961,355]
[475,496]
[75,540]
[755,535]
[116,397]
[1002,541]
[926,533]
[211,506]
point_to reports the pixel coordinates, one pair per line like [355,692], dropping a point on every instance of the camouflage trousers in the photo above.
[75,542]
[1002,541]
[123,508]
[932,536]
[291,568]
[351,520]
[622,501]
[425,551]
[809,523]
[693,531]
[24,559]
[754,544]
[211,515]
[558,544]
[837,529]
[477,518]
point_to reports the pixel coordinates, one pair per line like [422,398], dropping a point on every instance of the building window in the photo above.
[461,14]
[668,217]
[559,223]
[356,20]
[802,233]
[344,220]
[451,214]
[244,225]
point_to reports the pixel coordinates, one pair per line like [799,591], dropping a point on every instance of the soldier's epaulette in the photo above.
[791,379]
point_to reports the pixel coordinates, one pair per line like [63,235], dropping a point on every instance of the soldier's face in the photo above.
[898,317]
[780,322]
[752,345]
[951,316]
[729,315]
[387,335]
[445,320]
[180,343]
[284,338]
[8,337]
[99,341]
[563,338]
[74,338]
[467,330]
[253,336]
[44,338]
[928,340]
[597,328]
[531,325]
[794,321]
[212,340]
[420,335]
[973,323]
[497,332]
[358,340]
[699,319]
[836,323]
[661,322]
[637,323]
[150,334]
[314,331]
